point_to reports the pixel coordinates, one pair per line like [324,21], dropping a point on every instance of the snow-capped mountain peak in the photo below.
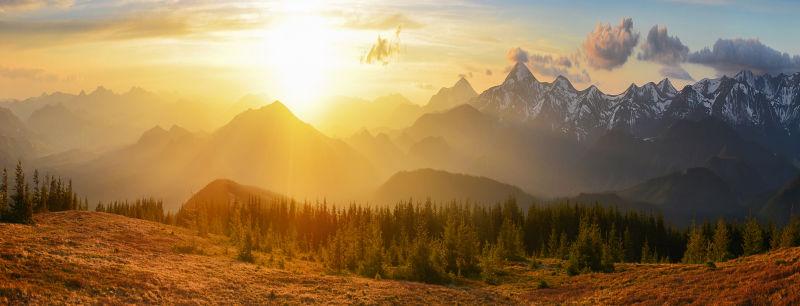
[752,103]
[519,74]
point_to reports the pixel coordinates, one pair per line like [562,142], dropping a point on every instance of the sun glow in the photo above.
[301,54]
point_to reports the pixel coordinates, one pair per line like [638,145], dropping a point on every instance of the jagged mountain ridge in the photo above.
[764,108]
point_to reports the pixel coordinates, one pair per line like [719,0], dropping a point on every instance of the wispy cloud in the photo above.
[383,49]
[135,24]
[30,74]
[18,5]
[380,22]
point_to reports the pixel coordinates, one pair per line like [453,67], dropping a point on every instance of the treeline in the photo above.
[433,242]
[436,242]
[146,208]
[20,201]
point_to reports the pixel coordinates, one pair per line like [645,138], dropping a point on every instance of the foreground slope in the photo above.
[98,258]
[88,258]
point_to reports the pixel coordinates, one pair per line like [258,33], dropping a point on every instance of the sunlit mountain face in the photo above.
[399,152]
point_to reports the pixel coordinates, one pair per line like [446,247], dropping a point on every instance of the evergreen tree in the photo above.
[752,238]
[4,203]
[696,246]
[586,253]
[720,244]
[510,241]
[22,211]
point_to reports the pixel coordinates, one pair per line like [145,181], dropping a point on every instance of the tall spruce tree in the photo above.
[4,203]
[752,238]
[696,246]
[22,211]
[720,244]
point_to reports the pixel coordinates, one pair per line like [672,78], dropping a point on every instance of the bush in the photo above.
[542,284]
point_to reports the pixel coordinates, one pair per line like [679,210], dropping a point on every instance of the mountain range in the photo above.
[722,147]
[762,108]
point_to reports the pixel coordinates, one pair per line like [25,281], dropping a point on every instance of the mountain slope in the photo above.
[441,186]
[695,193]
[783,204]
[16,140]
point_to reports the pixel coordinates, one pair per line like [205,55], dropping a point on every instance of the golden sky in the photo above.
[301,51]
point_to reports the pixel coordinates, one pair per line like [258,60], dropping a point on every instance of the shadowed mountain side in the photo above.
[695,194]
[783,204]
[441,186]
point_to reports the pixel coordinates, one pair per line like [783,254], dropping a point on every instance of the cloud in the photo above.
[555,66]
[675,72]
[31,74]
[732,55]
[22,5]
[661,48]
[608,47]
[488,72]
[139,24]
[380,22]
[383,49]
[517,55]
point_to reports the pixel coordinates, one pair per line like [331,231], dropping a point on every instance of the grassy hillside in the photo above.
[87,257]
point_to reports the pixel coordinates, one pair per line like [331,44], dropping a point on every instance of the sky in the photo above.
[303,51]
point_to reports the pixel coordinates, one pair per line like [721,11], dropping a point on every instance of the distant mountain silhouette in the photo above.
[442,186]
[267,147]
[226,192]
[449,97]
[16,140]
[344,116]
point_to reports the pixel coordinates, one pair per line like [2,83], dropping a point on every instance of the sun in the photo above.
[301,55]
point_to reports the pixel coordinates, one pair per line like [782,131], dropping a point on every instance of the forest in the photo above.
[440,242]
[422,240]
[50,193]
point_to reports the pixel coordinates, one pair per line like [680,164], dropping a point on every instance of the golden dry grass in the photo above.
[89,258]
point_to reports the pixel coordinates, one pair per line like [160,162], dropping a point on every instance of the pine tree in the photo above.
[22,211]
[4,203]
[696,246]
[752,238]
[790,236]
[720,244]
[510,241]
[646,254]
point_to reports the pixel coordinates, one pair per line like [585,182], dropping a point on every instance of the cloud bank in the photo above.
[609,47]
[30,74]
[661,48]
[732,55]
